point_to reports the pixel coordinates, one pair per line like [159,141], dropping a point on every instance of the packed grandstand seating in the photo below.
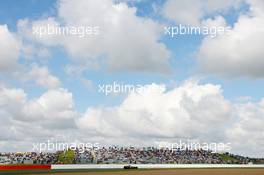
[127,155]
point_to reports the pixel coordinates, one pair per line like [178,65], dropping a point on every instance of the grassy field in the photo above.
[207,171]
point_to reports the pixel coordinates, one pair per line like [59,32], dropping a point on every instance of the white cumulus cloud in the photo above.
[43,77]
[192,12]
[240,52]
[124,41]
[9,50]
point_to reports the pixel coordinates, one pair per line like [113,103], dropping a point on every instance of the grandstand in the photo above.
[127,155]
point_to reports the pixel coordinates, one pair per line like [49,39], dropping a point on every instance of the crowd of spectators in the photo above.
[154,155]
[129,155]
[28,158]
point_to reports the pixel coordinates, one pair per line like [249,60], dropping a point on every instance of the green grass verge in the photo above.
[227,158]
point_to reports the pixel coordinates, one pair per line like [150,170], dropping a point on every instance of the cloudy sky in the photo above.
[196,87]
